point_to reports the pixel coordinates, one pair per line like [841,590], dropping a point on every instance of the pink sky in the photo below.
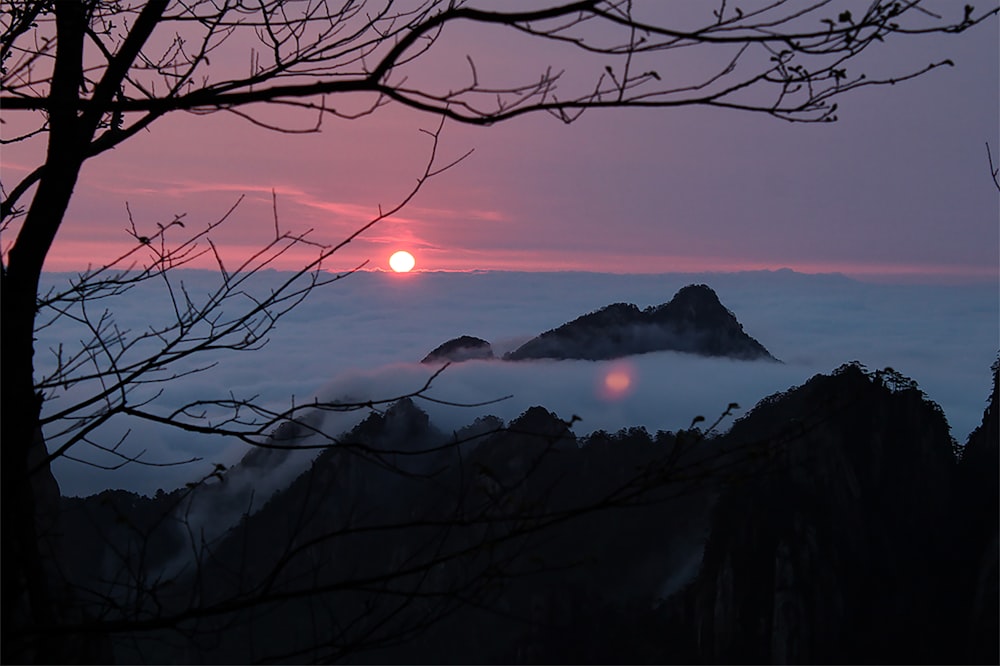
[899,189]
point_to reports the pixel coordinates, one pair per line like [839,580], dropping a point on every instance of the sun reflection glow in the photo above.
[616,381]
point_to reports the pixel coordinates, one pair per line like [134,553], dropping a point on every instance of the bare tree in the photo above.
[81,77]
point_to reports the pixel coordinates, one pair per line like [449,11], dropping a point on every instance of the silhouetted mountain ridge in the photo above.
[835,538]
[834,522]
[694,321]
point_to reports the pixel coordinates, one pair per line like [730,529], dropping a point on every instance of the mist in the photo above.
[361,339]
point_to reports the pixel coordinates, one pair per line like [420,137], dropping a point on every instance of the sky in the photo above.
[897,190]
[546,221]
[363,338]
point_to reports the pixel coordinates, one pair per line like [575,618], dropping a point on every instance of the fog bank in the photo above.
[363,337]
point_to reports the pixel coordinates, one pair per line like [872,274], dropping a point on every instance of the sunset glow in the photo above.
[628,196]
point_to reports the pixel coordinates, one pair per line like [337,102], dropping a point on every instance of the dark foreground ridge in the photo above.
[837,522]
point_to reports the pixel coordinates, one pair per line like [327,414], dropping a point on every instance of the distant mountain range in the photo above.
[693,321]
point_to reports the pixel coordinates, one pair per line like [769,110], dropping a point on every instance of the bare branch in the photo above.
[993,170]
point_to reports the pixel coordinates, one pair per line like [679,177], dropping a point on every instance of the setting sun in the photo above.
[402,262]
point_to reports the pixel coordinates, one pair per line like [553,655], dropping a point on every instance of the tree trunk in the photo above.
[29,499]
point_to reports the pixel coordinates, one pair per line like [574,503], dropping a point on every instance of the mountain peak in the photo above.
[697,305]
[693,321]
[539,421]
[462,348]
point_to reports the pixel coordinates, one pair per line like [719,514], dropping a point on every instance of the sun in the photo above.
[402,262]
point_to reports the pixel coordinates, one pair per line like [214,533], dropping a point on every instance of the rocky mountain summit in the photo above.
[693,321]
[837,544]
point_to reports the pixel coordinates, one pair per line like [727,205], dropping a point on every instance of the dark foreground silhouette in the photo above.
[835,523]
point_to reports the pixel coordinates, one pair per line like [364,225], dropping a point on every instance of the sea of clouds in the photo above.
[363,337]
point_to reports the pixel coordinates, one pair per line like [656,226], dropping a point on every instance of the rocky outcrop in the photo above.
[832,545]
[694,321]
[976,522]
[462,348]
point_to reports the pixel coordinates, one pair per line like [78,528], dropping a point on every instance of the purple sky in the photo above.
[898,189]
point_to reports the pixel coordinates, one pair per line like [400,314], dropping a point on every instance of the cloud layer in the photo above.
[363,337]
